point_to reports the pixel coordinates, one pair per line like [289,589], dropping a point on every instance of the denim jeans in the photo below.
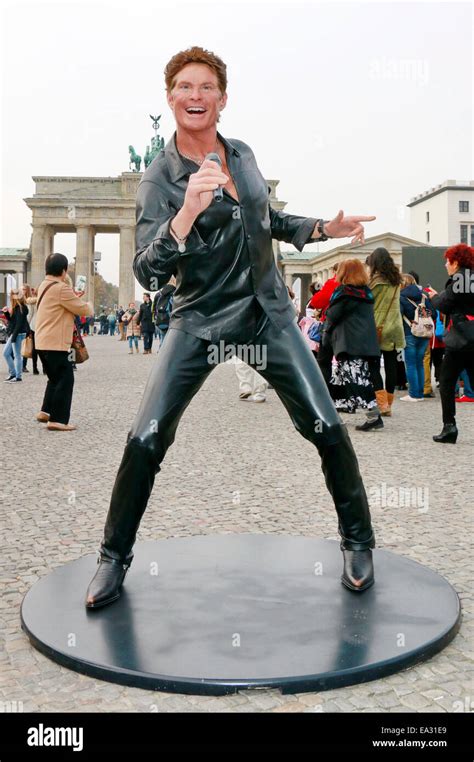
[162,335]
[468,391]
[148,340]
[12,355]
[132,339]
[414,355]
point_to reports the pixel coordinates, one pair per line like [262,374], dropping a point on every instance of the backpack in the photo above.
[422,324]
[163,308]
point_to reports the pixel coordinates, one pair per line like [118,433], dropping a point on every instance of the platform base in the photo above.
[216,614]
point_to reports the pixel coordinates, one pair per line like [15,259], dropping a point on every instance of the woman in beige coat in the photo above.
[56,307]
[133,329]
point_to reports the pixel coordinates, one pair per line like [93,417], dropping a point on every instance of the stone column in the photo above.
[305,292]
[91,291]
[289,278]
[276,250]
[37,254]
[48,241]
[84,256]
[126,276]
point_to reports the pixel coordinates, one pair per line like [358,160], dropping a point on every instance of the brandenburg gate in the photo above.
[89,205]
[85,206]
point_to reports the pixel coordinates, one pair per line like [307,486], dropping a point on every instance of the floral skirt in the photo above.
[350,386]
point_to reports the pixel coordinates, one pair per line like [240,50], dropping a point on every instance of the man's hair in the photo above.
[147,294]
[55,264]
[195,55]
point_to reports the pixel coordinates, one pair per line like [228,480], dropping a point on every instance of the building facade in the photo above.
[14,268]
[311,266]
[444,215]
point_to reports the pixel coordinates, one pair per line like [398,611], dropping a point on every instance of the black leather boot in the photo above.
[344,482]
[358,571]
[448,435]
[343,479]
[106,582]
[370,424]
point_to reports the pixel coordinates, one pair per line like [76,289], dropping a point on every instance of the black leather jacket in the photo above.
[458,295]
[229,261]
[145,316]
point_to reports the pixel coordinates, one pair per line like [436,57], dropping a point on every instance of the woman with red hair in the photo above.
[350,332]
[457,303]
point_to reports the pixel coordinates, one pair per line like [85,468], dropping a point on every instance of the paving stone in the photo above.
[415,701]
[250,450]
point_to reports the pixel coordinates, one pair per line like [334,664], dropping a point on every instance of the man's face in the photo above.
[196,87]
[146,298]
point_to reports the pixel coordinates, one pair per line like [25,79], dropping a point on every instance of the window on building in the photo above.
[427,236]
[463,237]
[472,235]
[464,206]
[427,216]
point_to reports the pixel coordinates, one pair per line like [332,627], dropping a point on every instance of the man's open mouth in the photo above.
[196,110]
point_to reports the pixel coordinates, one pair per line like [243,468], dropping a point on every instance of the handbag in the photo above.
[80,350]
[460,335]
[315,331]
[27,343]
[27,346]
[422,324]
[381,327]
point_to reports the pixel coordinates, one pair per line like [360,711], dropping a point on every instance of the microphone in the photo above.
[218,195]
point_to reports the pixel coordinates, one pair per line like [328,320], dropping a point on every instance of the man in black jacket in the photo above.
[229,293]
[145,321]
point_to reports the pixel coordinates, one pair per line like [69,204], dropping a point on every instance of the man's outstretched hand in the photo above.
[347,227]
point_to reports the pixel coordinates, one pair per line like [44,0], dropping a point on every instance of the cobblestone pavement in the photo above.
[249,448]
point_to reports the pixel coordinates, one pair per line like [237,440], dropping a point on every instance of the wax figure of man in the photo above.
[228,291]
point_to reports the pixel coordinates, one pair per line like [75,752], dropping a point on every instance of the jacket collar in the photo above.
[52,278]
[176,165]
[357,292]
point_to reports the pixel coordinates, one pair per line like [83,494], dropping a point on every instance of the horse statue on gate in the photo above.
[134,159]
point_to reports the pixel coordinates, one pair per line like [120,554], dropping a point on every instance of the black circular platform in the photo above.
[219,613]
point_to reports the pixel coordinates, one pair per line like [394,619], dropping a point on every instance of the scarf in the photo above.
[353,292]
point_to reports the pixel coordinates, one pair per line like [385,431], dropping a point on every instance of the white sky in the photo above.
[358,106]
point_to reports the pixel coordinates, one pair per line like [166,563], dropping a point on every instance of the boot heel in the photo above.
[448,435]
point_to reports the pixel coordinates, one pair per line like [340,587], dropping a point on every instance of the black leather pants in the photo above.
[184,362]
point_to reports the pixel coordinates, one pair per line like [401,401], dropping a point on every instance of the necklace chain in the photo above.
[196,158]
